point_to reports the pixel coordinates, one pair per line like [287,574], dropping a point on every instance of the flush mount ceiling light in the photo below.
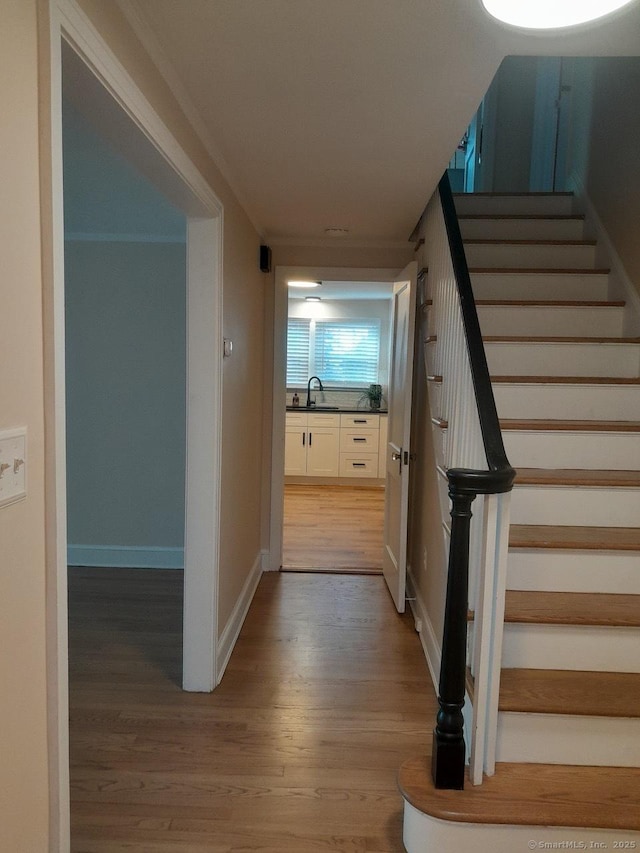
[312,299]
[551,14]
[303,283]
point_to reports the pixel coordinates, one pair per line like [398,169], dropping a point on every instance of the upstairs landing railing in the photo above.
[473,464]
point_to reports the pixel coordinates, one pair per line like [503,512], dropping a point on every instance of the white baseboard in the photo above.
[266,562]
[231,630]
[125,557]
[424,627]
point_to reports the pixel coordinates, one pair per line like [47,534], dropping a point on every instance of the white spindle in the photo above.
[463,447]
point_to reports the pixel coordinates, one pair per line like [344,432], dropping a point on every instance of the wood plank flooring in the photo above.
[329,528]
[297,751]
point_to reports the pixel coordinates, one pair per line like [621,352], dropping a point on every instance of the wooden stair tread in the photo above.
[541,270]
[531,794]
[562,217]
[536,339]
[552,303]
[492,241]
[572,608]
[569,425]
[577,477]
[558,691]
[568,380]
[574,537]
[527,194]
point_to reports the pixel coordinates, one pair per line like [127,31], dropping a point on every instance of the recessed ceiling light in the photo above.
[551,14]
[336,232]
[303,283]
[312,299]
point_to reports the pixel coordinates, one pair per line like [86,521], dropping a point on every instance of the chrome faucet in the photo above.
[321,388]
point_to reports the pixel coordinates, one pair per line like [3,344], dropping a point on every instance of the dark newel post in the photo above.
[447,762]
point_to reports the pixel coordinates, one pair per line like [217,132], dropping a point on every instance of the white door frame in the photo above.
[204,380]
[282,275]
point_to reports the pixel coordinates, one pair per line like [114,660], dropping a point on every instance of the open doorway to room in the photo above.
[394,444]
[336,425]
[122,117]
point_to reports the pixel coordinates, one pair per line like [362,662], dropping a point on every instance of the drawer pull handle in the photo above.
[359,439]
[359,420]
[359,464]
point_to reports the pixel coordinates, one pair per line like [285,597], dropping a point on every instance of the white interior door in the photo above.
[394,561]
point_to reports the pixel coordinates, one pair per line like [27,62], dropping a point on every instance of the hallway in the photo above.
[297,751]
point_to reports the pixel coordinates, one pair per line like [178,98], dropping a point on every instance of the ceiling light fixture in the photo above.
[312,299]
[551,14]
[303,283]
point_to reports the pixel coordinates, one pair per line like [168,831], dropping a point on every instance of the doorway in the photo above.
[339,332]
[121,111]
[306,493]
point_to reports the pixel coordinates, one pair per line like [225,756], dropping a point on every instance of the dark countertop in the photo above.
[336,410]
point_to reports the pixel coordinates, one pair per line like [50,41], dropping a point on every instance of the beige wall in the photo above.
[613,181]
[243,322]
[23,710]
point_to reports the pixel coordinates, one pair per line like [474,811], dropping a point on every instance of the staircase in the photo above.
[566,380]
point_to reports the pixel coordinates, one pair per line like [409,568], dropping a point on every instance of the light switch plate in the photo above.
[13,465]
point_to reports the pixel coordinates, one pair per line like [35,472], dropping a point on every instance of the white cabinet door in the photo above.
[323,449]
[295,451]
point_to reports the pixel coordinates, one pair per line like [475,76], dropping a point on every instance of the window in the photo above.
[341,352]
[298,352]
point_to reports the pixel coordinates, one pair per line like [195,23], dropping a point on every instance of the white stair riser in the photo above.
[556,739]
[565,449]
[563,359]
[424,834]
[574,571]
[574,647]
[522,229]
[551,321]
[551,205]
[540,286]
[568,402]
[530,256]
[569,505]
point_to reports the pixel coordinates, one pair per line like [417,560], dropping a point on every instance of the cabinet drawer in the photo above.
[360,440]
[323,420]
[363,421]
[296,419]
[358,464]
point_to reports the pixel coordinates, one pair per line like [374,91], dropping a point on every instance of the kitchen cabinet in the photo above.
[312,445]
[348,445]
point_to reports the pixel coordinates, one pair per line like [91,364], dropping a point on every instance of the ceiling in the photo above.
[340,113]
[350,290]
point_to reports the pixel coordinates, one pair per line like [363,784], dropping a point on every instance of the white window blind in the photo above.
[340,352]
[347,352]
[298,367]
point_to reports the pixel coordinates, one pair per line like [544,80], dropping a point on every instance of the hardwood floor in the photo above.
[297,751]
[328,528]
